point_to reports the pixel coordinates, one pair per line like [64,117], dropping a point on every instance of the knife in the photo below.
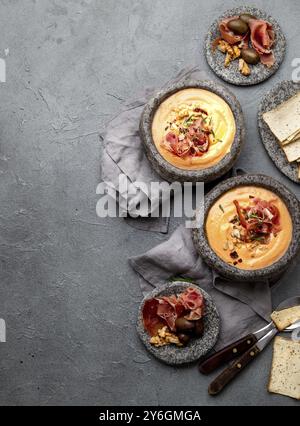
[245,343]
[232,370]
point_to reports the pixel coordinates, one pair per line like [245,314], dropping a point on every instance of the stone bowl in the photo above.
[197,347]
[279,93]
[231,74]
[229,271]
[171,173]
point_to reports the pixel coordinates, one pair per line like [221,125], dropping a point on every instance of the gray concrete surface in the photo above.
[67,293]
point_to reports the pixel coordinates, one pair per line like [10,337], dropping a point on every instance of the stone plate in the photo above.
[231,74]
[280,93]
[171,173]
[196,348]
[229,271]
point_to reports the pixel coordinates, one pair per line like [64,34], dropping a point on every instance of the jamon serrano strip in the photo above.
[162,311]
[262,38]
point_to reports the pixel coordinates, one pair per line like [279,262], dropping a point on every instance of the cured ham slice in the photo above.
[195,314]
[191,299]
[152,322]
[167,311]
[262,38]
[161,311]
[259,220]
[267,59]
[194,143]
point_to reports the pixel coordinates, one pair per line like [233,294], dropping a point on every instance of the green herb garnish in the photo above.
[221,208]
[254,238]
[189,120]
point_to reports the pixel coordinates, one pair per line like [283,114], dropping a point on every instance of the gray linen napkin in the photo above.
[124,153]
[243,307]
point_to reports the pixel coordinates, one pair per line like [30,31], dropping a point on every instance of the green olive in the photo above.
[184,338]
[183,324]
[199,327]
[245,17]
[250,56]
[238,26]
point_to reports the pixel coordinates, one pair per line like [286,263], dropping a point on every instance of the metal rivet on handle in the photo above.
[249,342]
[234,350]
[252,353]
[239,365]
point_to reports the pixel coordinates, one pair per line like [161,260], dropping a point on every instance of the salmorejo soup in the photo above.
[193,129]
[249,227]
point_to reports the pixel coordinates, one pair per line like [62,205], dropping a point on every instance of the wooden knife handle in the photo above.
[233,370]
[227,354]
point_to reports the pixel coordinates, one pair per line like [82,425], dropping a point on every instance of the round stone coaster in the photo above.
[232,74]
[278,94]
[197,347]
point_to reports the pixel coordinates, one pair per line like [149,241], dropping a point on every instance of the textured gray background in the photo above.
[67,293]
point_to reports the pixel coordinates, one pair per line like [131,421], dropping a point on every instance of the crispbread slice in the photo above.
[291,138]
[285,370]
[283,120]
[292,150]
[286,317]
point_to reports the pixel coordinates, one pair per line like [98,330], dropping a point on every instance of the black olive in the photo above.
[250,56]
[238,26]
[184,338]
[183,324]
[199,327]
[246,17]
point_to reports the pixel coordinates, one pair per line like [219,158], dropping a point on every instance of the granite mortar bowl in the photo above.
[229,271]
[197,347]
[171,173]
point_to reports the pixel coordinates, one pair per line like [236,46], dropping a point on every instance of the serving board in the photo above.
[231,74]
[278,94]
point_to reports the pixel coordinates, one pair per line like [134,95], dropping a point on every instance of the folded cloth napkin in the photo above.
[243,307]
[124,154]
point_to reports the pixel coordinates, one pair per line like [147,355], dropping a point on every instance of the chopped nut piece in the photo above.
[244,68]
[236,233]
[236,52]
[232,52]
[223,46]
[164,337]
[228,59]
